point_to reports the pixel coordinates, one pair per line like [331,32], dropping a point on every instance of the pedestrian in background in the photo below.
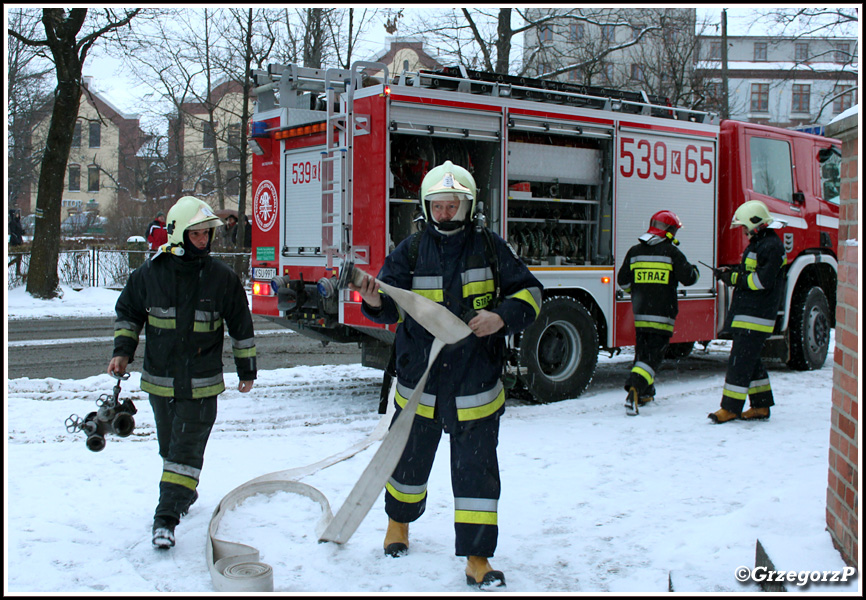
[183,298]
[758,282]
[156,233]
[651,272]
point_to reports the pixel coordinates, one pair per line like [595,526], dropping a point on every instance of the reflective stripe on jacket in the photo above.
[183,308]
[760,285]
[465,381]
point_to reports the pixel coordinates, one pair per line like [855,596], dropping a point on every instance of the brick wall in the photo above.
[842,492]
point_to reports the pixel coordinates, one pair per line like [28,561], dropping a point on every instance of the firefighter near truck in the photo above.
[568,174]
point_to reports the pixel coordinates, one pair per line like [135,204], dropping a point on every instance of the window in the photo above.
[760,97]
[800,101]
[208,136]
[801,51]
[206,187]
[636,72]
[92,179]
[830,162]
[771,168]
[233,151]
[844,99]
[546,34]
[95,134]
[74,178]
[635,32]
[574,75]
[76,135]
[607,70]
[715,51]
[607,33]
[233,183]
[760,51]
[577,31]
[843,52]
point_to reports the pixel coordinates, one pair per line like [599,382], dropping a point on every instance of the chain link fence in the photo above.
[109,268]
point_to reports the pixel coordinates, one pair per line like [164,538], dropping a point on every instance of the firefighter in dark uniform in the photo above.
[758,282]
[464,394]
[182,297]
[651,271]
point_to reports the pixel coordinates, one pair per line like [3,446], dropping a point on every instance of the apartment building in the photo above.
[792,82]
[100,172]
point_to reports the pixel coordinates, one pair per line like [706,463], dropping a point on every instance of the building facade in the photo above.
[206,137]
[101,170]
[793,82]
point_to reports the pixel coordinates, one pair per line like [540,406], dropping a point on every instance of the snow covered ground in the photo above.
[593,501]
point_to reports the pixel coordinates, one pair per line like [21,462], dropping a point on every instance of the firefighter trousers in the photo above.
[474,481]
[746,376]
[649,352]
[182,430]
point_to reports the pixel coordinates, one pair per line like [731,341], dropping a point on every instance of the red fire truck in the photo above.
[568,174]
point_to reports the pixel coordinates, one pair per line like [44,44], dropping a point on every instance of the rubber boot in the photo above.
[722,416]
[645,400]
[631,402]
[479,573]
[396,538]
[163,532]
[756,414]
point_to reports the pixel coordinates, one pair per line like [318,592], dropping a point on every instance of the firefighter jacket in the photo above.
[182,305]
[759,283]
[650,273]
[454,270]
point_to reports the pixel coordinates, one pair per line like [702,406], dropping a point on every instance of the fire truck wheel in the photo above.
[809,329]
[559,351]
[679,350]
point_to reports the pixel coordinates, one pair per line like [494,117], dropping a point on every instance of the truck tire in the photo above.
[559,351]
[679,350]
[809,329]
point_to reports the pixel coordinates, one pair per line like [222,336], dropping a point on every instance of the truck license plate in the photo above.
[264,273]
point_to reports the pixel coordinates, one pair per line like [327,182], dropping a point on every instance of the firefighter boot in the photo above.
[755,414]
[163,532]
[479,573]
[722,416]
[396,538]
[645,400]
[632,402]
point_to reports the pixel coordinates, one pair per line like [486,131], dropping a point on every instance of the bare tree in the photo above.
[68,53]
[346,26]
[28,90]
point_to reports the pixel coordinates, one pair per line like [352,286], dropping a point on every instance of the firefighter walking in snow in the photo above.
[473,273]
[758,282]
[182,297]
[651,271]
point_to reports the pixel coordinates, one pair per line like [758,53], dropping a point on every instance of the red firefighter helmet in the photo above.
[665,223]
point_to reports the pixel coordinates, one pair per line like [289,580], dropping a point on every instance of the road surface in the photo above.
[74,348]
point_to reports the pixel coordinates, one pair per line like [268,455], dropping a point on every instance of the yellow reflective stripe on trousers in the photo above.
[476,511]
[187,482]
[735,391]
[411,494]
[644,370]
[753,323]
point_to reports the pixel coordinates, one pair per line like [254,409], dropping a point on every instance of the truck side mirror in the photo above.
[799,198]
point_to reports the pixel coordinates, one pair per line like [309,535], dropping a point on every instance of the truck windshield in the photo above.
[830,161]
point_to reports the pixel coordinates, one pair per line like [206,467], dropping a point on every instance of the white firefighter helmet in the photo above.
[445,182]
[753,215]
[188,214]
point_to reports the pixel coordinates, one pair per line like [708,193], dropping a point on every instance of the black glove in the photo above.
[730,276]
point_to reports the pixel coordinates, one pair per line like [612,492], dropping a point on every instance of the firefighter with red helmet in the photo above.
[477,277]
[758,282]
[651,271]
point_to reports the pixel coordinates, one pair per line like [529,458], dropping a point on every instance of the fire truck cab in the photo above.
[567,174]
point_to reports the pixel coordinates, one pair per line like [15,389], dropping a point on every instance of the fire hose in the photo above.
[236,567]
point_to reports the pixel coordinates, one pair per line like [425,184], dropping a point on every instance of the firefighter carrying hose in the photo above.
[464,394]
[758,283]
[650,273]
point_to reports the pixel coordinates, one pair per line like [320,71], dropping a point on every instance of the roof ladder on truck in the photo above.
[336,171]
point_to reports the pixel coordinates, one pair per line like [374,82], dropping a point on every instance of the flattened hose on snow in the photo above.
[235,567]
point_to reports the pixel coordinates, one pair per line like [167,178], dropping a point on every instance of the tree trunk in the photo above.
[503,40]
[42,278]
